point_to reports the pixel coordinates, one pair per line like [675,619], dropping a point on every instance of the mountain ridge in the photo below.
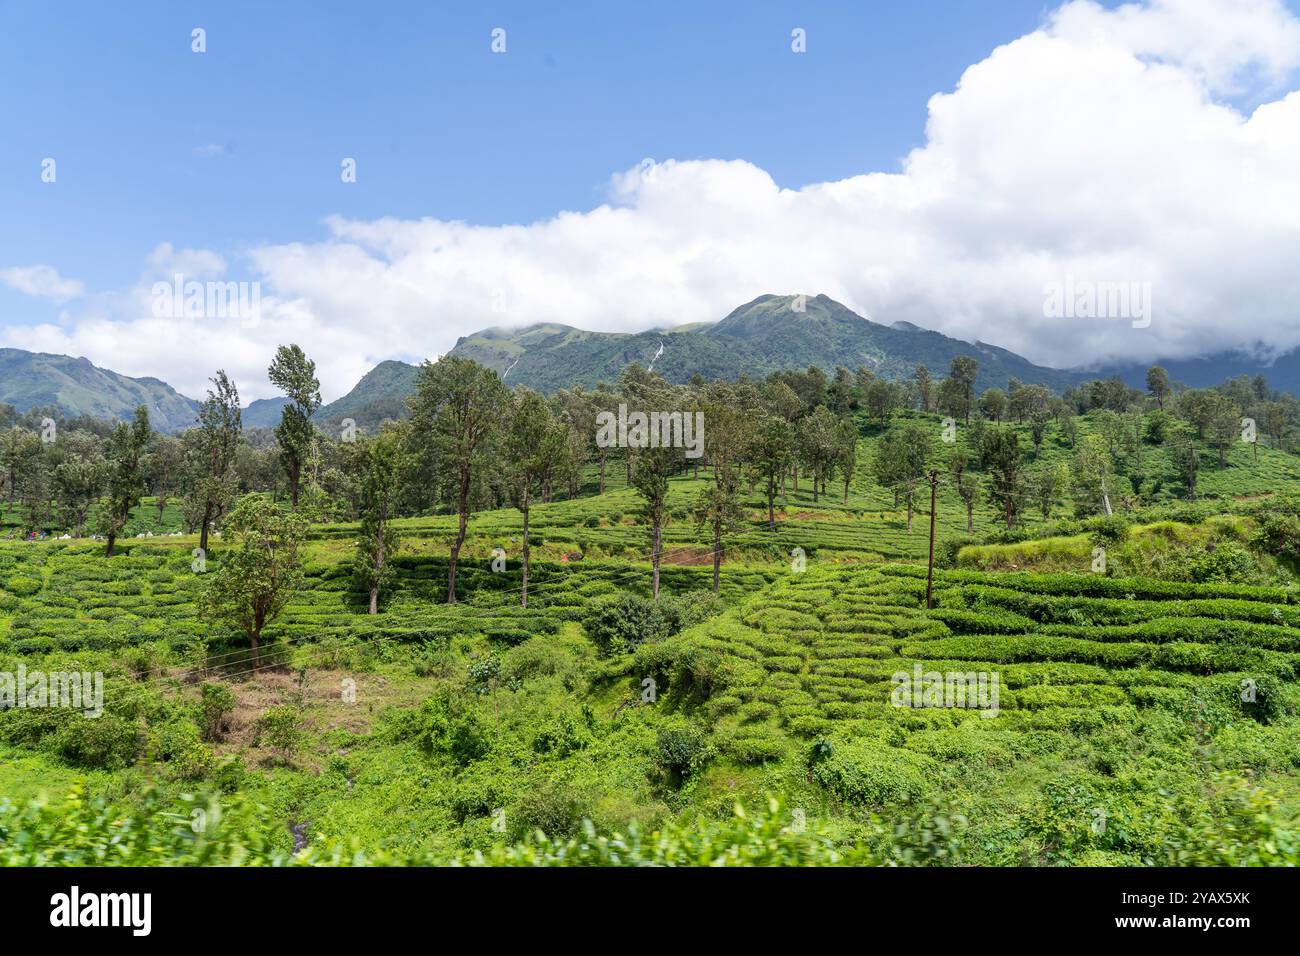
[769,333]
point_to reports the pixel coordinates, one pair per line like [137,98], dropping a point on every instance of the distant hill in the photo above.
[381,394]
[1283,374]
[263,412]
[75,386]
[760,337]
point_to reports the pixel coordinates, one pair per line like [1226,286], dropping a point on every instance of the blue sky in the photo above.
[1152,142]
[242,145]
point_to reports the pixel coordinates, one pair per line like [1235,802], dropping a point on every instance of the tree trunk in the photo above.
[771,496]
[970,515]
[374,600]
[658,537]
[112,540]
[929,574]
[462,503]
[717,553]
[846,491]
[523,595]
[602,475]
[203,534]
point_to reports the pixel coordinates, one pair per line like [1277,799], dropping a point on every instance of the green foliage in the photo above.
[281,729]
[216,705]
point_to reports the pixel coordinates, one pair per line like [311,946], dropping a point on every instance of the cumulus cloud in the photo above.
[41,281]
[1106,146]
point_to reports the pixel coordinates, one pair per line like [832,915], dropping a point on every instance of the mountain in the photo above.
[263,412]
[381,394]
[767,335]
[36,379]
[1283,373]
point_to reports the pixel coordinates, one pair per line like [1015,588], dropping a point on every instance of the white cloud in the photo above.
[1104,146]
[42,282]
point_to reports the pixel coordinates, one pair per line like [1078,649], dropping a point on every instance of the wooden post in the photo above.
[929,576]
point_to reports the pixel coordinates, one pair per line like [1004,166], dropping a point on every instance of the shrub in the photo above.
[281,729]
[216,704]
[108,742]
[868,775]
[555,809]
[621,624]
[681,749]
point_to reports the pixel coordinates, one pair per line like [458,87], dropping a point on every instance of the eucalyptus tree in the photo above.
[901,459]
[534,444]
[456,411]
[769,459]
[78,479]
[123,451]
[295,375]
[718,506]
[211,450]
[846,452]
[377,466]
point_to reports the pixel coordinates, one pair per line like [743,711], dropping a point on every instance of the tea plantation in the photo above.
[1135,719]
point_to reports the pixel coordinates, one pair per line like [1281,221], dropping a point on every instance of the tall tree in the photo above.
[817,436]
[78,479]
[963,370]
[455,412]
[1225,425]
[1046,487]
[295,375]
[535,442]
[1093,475]
[924,387]
[1158,384]
[1186,460]
[213,450]
[964,482]
[718,505]
[650,479]
[124,450]
[378,467]
[260,569]
[1005,474]
[901,459]
[846,454]
[769,458]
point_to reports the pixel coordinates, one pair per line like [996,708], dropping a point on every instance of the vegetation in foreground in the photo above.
[392,689]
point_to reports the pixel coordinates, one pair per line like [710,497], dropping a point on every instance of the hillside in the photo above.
[381,394]
[75,386]
[760,337]
[1118,697]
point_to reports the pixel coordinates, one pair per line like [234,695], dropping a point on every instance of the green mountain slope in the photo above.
[381,394]
[36,379]
[760,337]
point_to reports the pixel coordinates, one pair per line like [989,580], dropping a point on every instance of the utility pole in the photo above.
[929,575]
